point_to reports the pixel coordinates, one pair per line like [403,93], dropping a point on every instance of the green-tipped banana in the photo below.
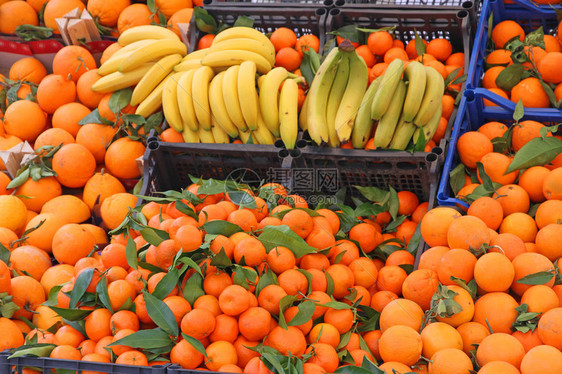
[224,59]
[200,95]
[354,92]
[190,136]
[170,103]
[303,116]
[389,82]
[246,44]
[157,72]
[289,113]
[220,136]
[152,52]
[205,136]
[415,74]
[432,98]
[231,100]
[318,97]
[117,81]
[153,101]
[389,121]
[146,32]
[363,122]
[262,133]
[431,127]
[218,108]
[335,98]
[402,135]
[185,101]
[269,97]
[245,136]
[247,94]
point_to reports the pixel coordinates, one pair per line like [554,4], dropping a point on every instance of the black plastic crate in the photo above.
[45,364]
[301,19]
[270,3]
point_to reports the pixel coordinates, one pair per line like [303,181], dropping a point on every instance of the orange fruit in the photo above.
[494,272]
[288,58]
[17,218]
[27,69]
[55,91]
[106,13]
[548,67]
[531,93]
[500,347]
[53,137]
[450,360]
[74,165]
[379,42]
[99,187]
[467,232]
[401,344]
[456,262]
[435,224]
[180,16]
[547,241]
[283,37]
[14,14]
[505,31]
[290,340]
[134,15]
[68,115]
[401,312]
[96,137]
[496,309]
[72,61]
[532,181]
[552,185]
[541,358]
[472,146]
[121,158]
[25,120]
[439,48]
[307,41]
[84,91]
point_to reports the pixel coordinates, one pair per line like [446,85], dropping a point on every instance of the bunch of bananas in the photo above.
[403,107]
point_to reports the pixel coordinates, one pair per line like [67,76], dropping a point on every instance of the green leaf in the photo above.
[393,202]
[119,100]
[166,284]
[95,117]
[486,181]
[337,305]
[221,260]
[368,210]
[193,288]
[131,252]
[22,176]
[306,310]
[503,144]
[418,42]
[195,344]
[5,254]
[219,227]
[146,339]
[373,194]
[310,212]
[393,225]
[31,32]
[36,350]
[265,280]
[8,308]
[103,295]
[536,38]
[204,21]
[274,361]
[350,369]
[283,236]
[154,236]
[415,241]
[243,21]
[285,303]
[510,76]
[70,313]
[244,276]
[330,283]
[541,277]
[243,199]
[471,287]
[538,151]
[53,293]
[348,32]
[309,65]
[161,314]
[80,286]
[519,111]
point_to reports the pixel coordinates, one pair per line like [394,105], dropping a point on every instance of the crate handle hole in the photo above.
[283,153]
[334,11]
[340,2]
[469,94]
[437,150]
[462,14]
[279,143]
[467,5]
[322,11]
[154,145]
[295,153]
[431,157]
[301,143]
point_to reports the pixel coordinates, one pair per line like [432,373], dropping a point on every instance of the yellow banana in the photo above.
[303,117]
[195,55]
[388,84]
[157,72]
[318,97]
[218,108]
[185,101]
[117,81]
[224,59]
[402,135]
[170,103]
[188,65]
[231,100]
[146,32]
[153,101]
[112,64]
[246,44]
[189,136]
[415,74]
[200,95]
[389,121]
[220,136]
[363,123]
[432,98]
[243,32]
[262,133]
[334,99]
[431,127]
[247,93]
[205,136]
[152,52]
[269,97]
[351,100]
[289,113]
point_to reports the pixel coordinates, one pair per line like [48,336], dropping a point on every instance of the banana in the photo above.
[262,133]
[157,72]
[247,45]
[243,32]
[245,136]
[334,99]
[205,136]
[189,136]
[230,95]
[389,121]
[152,52]
[269,97]
[195,55]
[112,64]
[153,101]
[402,135]
[170,102]
[200,96]
[432,98]
[354,92]
[188,65]
[318,97]
[363,123]
[222,59]
[146,32]
[416,76]
[220,136]
[289,113]
[218,108]
[117,81]
[303,116]
[185,101]
[261,78]
[431,127]
[247,93]
[386,89]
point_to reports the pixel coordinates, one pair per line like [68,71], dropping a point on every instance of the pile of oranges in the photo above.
[542,61]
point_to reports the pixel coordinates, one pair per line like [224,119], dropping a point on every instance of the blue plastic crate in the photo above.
[530,18]
[532,6]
